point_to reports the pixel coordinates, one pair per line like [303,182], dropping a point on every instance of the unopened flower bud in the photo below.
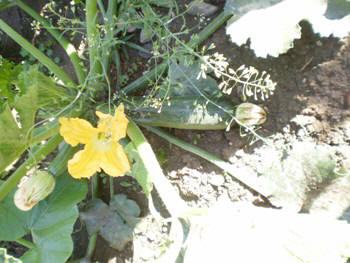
[34,189]
[250,114]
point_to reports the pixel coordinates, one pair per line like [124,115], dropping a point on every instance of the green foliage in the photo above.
[8,74]
[139,171]
[186,78]
[50,222]
[33,90]
[114,222]
[304,169]
[6,3]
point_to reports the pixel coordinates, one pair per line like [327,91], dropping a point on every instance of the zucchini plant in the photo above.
[43,120]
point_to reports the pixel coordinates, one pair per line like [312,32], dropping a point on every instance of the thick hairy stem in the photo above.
[175,205]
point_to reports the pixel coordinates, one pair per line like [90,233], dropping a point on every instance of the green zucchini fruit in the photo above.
[189,112]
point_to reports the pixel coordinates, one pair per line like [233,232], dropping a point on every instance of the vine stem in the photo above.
[174,204]
[67,46]
[109,19]
[37,54]
[25,243]
[33,159]
[92,37]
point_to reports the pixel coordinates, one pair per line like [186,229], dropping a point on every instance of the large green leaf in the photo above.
[15,130]
[51,95]
[186,78]
[33,90]
[8,74]
[50,222]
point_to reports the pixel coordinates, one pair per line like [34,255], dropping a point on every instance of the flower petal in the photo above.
[114,161]
[85,162]
[116,124]
[122,122]
[75,130]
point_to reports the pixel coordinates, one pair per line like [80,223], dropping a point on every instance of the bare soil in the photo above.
[311,103]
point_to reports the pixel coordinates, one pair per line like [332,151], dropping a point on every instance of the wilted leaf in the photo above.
[272,26]
[293,178]
[108,221]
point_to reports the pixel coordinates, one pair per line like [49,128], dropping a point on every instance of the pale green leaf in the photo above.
[139,171]
[185,79]
[34,90]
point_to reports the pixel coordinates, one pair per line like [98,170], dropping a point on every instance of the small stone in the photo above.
[145,36]
[216,179]
[201,8]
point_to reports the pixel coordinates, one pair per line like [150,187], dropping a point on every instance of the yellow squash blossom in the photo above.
[102,150]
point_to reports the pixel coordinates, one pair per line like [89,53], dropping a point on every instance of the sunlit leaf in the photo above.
[272,26]
[139,171]
[24,95]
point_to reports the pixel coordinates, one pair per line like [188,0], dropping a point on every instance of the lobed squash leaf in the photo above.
[22,93]
[50,222]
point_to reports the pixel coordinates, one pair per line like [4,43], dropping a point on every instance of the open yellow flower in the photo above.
[102,150]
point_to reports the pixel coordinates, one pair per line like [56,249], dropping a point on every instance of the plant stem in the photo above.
[116,59]
[111,187]
[32,160]
[44,132]
[108,39]
[161,68]
[67,46]
[37,54]
[25,243]
[244,178]
[174,204]
[92,239]
[92,37]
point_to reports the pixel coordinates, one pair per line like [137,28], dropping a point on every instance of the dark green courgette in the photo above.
[191,112]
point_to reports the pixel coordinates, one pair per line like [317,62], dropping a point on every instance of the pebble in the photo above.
[216,179]
[145,38]
[201,8]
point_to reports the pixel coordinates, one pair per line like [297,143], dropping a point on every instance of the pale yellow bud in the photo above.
[250,114]
[34,189]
